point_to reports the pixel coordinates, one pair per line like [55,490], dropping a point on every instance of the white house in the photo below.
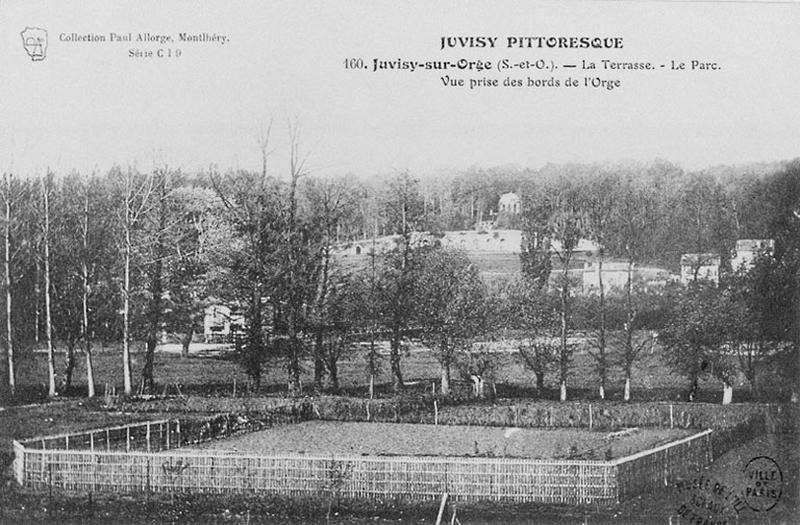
[509,203]
[615,276]
[748,249]
[219,322]
[700,267]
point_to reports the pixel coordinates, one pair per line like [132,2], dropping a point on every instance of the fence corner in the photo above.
[19,462]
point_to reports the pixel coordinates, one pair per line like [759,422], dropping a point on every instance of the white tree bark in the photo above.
[627,389]
[445,381]
[727,394]
[126,321]
[7,261]
[563,396]
[85,274]
[51,369]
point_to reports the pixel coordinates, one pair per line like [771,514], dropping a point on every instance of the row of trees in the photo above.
[124,256]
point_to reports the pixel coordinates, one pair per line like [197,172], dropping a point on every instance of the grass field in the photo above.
[389,439]
[653,378]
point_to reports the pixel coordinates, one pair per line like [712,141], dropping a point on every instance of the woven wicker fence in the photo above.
[128,461]
[659,467]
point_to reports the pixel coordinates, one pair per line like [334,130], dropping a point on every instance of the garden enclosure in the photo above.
[150,458]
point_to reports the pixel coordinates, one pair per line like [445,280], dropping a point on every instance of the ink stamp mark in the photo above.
[763,483]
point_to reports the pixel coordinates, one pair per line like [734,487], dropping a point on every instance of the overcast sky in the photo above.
[89,105]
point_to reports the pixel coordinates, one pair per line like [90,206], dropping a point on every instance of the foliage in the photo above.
[450,306]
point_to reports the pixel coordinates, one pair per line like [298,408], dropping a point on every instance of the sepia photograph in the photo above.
[352,262]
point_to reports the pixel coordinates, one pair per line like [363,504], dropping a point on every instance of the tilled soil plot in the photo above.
[332,437]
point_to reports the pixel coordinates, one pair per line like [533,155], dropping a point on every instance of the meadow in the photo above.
[218,373]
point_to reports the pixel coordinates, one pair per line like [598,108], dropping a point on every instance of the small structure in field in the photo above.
[615,276]
[747,250]
[220,322]
[700,267]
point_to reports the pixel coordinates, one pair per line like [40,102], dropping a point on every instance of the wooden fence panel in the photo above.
[144,458]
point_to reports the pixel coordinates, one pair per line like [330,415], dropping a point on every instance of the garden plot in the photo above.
[391,439]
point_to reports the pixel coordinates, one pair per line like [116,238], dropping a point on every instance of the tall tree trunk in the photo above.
[156,289]
[727,393]
[693,386]
[85,299]
[372,363]
[187,339]
[126,300]
[295,301]
[37,292]
[601,343]
[564,362]
[7,263]
[627,383]
[319,360]
[322,294]
[69,365]
[333,371]
[255,340]
[51,369]
[539,382]
[445,378]
[394,358]
[629,356]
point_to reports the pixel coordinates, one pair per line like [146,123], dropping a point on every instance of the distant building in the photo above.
[700,267]
[510,203]
[220,322]
[748,249]
[615,276]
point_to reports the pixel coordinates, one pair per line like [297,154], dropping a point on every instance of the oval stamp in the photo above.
[763,483]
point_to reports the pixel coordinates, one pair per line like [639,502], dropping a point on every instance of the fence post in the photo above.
[671,420]
[435,412]
[178,437]
[148,436]
[167,434]
[108,441]
[19,462]
[441,509]
[66,442]
[127,439]
[91,441]
[590,416]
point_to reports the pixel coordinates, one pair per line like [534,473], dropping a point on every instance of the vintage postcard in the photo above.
[441,262]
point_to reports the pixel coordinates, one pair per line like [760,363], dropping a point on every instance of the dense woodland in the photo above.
[125,256]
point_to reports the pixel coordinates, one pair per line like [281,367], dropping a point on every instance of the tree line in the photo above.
[124,256]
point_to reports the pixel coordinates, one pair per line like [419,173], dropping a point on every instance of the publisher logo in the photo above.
[34,40]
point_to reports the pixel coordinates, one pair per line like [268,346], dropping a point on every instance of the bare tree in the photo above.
[598,203]
[536,313]
[137,191]
[46,183]
[9,199]
[295,264]
[330,203]
[84,258]
[567,225]
[400,267]
[249,253]
[630,234]
[158,254]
